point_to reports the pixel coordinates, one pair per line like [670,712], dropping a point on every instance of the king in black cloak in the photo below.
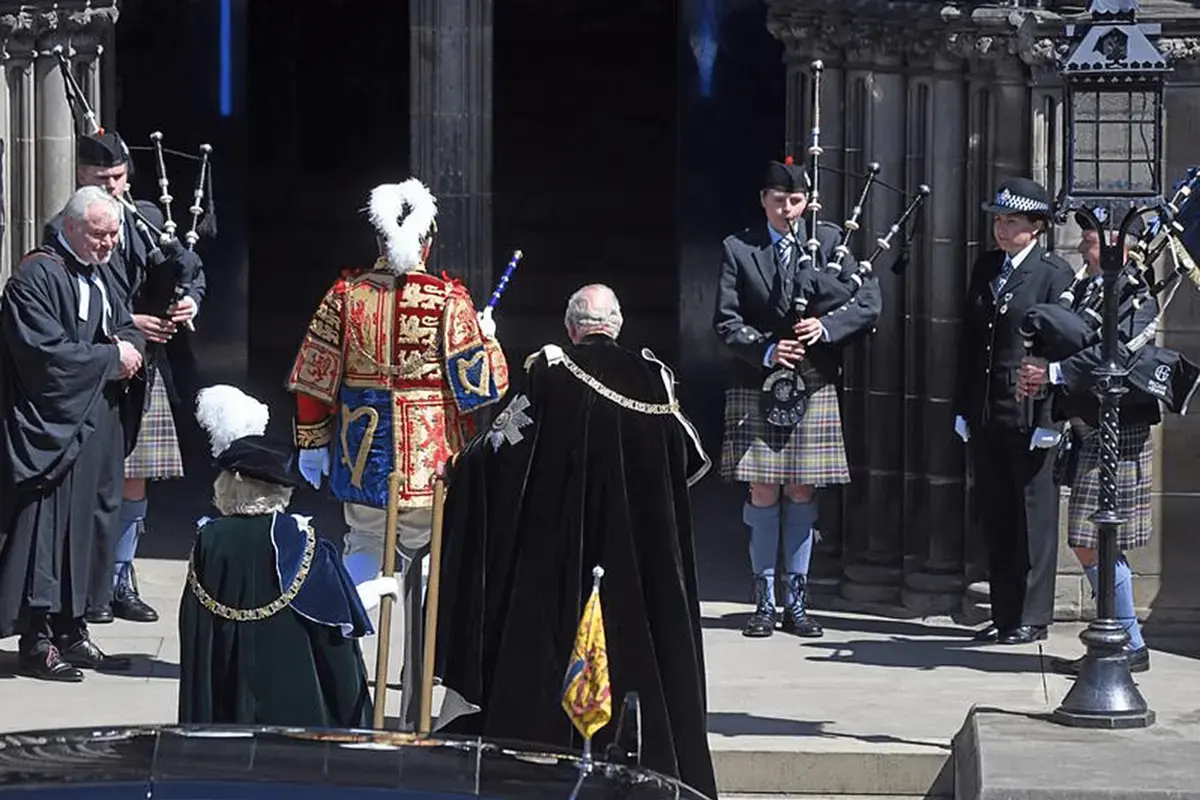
[64,342]
[270,620]
[592,467]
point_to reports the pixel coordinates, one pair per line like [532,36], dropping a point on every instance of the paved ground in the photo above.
[869,709]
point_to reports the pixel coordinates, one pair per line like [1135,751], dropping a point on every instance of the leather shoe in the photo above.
[86,654]
[988,634]
[46,663]
[99,616]
[1023,634]
[1139,661]
[801,625]
[134,609]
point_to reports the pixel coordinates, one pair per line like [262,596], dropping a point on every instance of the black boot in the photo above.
[126,602]
[795,619]
[762,621]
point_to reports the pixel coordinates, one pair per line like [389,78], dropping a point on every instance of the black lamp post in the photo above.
[1114,86]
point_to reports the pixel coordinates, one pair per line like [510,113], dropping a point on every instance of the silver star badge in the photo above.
[507,425]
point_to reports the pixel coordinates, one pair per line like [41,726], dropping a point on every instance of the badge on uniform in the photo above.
[1004,303]
[509,422]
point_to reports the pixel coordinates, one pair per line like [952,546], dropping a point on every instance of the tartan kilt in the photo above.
[813,453]
[1134,473]
[156,454]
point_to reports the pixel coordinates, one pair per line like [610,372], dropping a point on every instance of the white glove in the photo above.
[372,591]
[1044,438]
[487,325]
[314,463]
[960,427]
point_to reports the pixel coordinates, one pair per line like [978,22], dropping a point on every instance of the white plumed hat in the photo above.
[227,414]
[404,214]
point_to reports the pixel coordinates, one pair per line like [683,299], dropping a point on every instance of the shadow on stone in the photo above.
[727,723]
[926,654]
[141,666]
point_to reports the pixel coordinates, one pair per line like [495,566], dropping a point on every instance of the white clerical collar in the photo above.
[85,292]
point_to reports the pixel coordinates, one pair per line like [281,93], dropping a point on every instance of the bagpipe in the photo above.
[173,267]
[1056,331]
[825,287]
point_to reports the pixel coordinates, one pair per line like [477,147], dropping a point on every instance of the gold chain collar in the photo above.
[607,393]
[262,612]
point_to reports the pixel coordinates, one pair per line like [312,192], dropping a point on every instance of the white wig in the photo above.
[228,414]
[411,202]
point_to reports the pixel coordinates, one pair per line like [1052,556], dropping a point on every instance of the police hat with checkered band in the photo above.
[1021,196]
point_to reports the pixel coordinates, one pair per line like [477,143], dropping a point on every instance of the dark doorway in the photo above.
[585,161]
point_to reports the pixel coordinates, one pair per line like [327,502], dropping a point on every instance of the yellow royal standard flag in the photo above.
[587,693]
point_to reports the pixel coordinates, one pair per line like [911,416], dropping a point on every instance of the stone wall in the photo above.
[35,121]
[960,98]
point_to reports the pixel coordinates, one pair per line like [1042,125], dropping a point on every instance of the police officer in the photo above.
[1012,439]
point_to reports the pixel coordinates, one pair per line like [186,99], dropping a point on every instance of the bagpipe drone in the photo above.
[1057,331]
[173,267]
[822,288]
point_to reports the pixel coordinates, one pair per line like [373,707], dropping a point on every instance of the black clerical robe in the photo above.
[573,480]
[61,462]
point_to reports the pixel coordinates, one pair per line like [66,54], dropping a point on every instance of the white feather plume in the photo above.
[228,413]
[389,203]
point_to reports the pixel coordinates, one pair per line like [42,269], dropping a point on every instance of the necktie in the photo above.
[785,252]
[1005,273]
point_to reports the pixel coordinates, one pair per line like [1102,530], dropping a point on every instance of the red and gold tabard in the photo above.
[388,373]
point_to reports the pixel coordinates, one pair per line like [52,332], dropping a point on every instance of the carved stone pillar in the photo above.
[21,154]
[38,128]
[935,506]
[873,544]
[54,132]
[452,131]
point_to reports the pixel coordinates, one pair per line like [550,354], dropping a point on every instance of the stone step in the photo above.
[829,797]
[880,771]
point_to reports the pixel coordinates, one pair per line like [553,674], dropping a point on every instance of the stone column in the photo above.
[451,134]
[21,153]
[87,71]
[6,188]
[54,133]
[873,544]
[933,579]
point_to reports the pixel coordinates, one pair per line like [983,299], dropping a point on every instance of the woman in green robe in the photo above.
[270,620]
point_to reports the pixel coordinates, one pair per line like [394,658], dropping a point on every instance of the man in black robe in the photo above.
[591,468]
[146,273]
[67,346]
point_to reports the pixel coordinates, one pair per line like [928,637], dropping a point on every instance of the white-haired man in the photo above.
[392,366]
[66,348]
[590,468]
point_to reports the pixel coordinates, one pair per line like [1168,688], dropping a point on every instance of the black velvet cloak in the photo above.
[301,666]
[530,510]
[60,425]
